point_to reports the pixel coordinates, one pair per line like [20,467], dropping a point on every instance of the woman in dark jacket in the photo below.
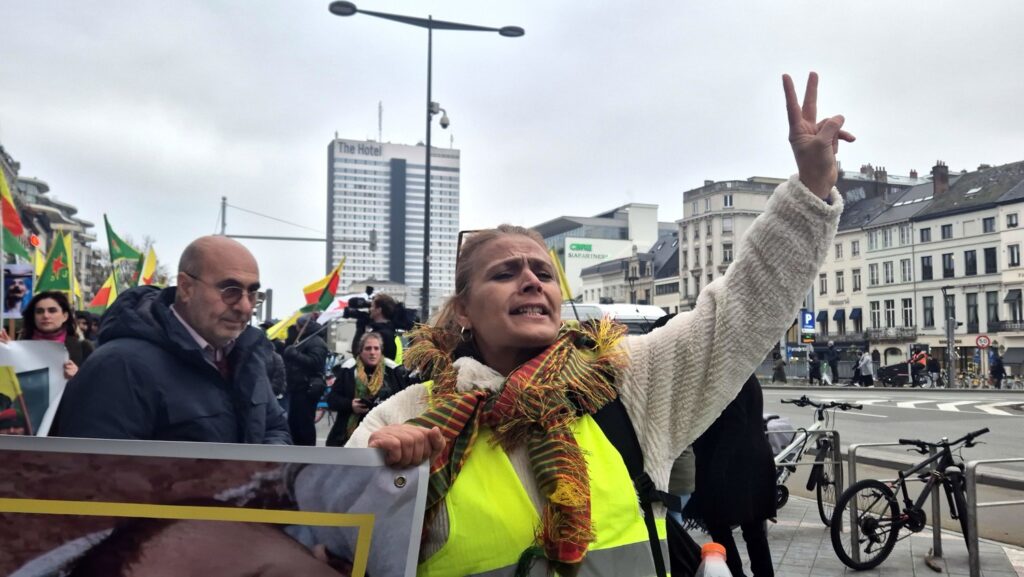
[736,480]
[362,384]
[48,317]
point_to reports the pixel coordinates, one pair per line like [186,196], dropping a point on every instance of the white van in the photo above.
[638,318]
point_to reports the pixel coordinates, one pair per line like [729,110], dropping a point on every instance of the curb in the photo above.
[892,389]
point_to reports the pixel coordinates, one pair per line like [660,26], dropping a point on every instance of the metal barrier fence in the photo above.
[796,371]
[974,558]
[936,506]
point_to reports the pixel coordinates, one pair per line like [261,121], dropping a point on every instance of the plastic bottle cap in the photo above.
[709,548]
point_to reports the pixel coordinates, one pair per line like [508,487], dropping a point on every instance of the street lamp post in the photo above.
[948,311]
[341,8]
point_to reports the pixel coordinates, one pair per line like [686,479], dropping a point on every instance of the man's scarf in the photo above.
[536,407]
[366,388]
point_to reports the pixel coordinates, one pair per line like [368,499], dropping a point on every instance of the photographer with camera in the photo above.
[361,384]
[304,362]
[380,317]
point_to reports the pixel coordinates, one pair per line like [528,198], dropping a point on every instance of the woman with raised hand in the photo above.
[523,481]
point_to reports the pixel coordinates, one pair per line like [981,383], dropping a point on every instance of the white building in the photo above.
[375,215]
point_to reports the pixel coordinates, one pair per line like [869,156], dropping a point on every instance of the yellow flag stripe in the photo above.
[563,283]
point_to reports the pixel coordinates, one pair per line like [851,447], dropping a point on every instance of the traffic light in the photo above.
[373,240]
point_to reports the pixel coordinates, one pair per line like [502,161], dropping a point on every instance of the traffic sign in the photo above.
[806,321]
[983,341]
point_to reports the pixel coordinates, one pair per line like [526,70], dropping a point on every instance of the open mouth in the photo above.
[531,311]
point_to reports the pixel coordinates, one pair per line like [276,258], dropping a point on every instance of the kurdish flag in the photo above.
[105,296]
[57,272]
[119,249]
[320,294]
[11,222]
[280,330]
[563,283]
[147,272]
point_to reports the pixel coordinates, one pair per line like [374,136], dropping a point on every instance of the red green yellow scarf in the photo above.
[536,408]
[366,388]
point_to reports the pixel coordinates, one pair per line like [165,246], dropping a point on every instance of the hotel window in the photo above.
[887,273]
[990,260]
[727,253]
[876,315]
[707,205]
[1014,255]
[970,262]
[696,256]
[855,248]
[856,280]
[890,313]
[840,288]
[822,284]
[727,200]
[1011,220]
[693,207]
[726,224]
[887,238]
[992,310]
[873,240]
[906,270]
[988,224]
[947,231]
[926,268]
[839,250]
[908,312]
[928,309]
[904,234]
[926,235]
[872,275]
[707,227]
[947,265]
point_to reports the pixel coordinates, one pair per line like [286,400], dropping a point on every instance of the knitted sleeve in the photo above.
[682,375]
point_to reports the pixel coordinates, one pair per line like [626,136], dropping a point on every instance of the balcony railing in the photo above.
[1005,326]
[892,334]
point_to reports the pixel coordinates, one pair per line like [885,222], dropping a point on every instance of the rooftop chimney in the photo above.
[940,178]
[913,173]
[708,182]
[881,175]
[867,170]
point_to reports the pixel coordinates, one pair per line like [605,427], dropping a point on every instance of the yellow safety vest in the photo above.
[398,350]
[491,519]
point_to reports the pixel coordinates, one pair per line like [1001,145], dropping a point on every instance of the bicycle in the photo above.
[877,516]
[822,480]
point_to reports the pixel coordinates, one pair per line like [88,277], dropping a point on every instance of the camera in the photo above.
[444,120]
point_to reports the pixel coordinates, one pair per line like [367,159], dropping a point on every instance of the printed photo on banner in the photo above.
[83,507]
[17,289]
[31,383]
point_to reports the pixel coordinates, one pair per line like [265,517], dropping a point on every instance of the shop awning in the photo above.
[1012,296]
[822,316]
[854,314]
[1014,356]
[840,315]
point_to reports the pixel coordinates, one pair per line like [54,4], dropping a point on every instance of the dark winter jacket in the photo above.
[276,374]
[149,380]
[305,365]
[396,378]
[735,467]
[832,355]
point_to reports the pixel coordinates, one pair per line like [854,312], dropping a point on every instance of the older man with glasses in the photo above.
[181,363]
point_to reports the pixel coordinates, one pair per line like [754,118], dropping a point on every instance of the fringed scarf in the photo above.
[366,388]
[536,407]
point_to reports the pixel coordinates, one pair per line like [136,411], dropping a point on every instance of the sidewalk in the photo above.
[801,547]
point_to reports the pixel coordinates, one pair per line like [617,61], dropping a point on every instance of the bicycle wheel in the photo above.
[877,523]
[825,490]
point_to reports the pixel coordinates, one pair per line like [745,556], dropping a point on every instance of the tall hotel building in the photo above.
[377,188]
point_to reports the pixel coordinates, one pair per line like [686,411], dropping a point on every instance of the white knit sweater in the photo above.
[681,377]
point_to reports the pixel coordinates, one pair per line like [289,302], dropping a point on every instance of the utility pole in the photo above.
[951,323]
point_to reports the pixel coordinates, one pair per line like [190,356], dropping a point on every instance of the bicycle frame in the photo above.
[937,475]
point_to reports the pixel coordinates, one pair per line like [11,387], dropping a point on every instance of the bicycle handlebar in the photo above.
[967,440]
[806,402]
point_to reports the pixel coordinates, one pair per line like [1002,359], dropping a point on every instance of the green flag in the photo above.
[119,249]
[13,246]
[56,274]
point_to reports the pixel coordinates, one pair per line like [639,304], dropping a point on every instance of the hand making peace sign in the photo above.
[814,143]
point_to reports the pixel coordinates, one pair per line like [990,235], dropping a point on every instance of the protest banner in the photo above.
[17,289]
[83,506]
[39,370]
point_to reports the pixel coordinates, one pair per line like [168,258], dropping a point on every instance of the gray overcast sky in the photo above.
[151,111]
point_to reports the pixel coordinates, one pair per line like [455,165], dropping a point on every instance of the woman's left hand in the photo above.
[814,143]
[70,369]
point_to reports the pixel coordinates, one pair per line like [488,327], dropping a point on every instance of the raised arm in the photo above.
[683,375]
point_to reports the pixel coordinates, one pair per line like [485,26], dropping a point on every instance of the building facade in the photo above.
[375,215]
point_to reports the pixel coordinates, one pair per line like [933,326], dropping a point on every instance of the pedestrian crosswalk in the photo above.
[978,406]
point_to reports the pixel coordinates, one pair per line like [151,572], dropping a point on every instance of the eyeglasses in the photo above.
[232,294]
[463,237]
